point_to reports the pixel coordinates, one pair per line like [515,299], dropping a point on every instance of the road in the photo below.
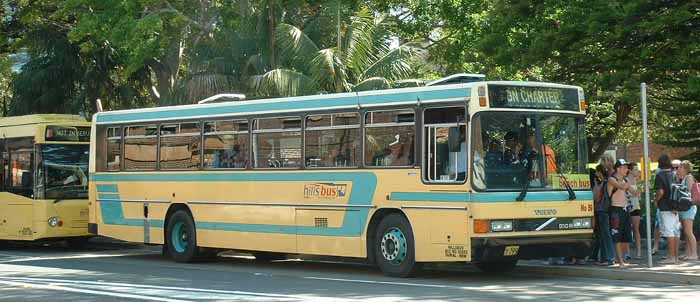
[113,271]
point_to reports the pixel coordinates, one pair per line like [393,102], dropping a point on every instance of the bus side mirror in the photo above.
[453,139]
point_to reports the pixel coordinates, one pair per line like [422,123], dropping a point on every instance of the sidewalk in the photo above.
[686,272]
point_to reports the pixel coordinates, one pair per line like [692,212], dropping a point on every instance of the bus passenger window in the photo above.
[114,141]
[179,146]
[389,139]
[140,147]
[332,140]
[277,142]
[226,144]
[21,171]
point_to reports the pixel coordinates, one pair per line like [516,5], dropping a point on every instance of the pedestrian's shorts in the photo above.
[669,224]
[620,225]
[689,214]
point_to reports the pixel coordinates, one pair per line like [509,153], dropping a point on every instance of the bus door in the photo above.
[445,147]
[16,200]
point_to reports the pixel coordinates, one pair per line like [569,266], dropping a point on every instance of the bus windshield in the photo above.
[64,171]
[544,150]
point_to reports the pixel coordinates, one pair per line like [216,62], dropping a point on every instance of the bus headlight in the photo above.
[582,223]
[501,226]
[53,221]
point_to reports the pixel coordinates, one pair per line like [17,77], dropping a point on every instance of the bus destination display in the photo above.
[502,96]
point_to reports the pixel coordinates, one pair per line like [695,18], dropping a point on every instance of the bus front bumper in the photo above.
[526,248]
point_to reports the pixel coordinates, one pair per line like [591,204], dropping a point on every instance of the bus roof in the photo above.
[349,100]
[40,119]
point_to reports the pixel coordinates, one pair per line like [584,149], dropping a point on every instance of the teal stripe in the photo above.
[108,196]
[107,189]
[488,197]
[430,196]
[531,196]
[113,214]
[354,221]
[308,104]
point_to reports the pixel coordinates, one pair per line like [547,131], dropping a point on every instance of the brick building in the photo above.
[635,151]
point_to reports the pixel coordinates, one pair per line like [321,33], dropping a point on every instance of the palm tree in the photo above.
[362,60]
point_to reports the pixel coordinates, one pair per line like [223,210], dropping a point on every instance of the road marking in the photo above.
[178,289]
[81,256]
[87,291]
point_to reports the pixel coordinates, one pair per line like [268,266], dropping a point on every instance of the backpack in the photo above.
[680,197]
[601,199]
[695,193]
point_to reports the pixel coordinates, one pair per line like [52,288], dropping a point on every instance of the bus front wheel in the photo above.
[394,247]
[182,237]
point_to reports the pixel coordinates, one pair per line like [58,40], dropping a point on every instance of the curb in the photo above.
[611,274]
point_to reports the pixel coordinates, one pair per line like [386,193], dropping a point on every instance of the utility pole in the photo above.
[646,172]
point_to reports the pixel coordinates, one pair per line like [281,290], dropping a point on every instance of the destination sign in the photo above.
[502,96]
[68,134]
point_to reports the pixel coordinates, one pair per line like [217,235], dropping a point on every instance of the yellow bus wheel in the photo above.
[182,237]
[394,247]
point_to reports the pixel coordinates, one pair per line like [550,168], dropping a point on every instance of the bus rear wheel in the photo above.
[394,247]
[181,237]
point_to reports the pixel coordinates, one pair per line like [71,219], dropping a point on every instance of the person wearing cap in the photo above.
[669,223]
[620,225]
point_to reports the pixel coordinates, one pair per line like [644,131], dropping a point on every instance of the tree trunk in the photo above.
[271,24]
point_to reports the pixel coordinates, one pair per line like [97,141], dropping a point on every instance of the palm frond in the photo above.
[283,82]
[375,83]
[395,65]
[359,43]
[295,46]
[203,85]
[328,70]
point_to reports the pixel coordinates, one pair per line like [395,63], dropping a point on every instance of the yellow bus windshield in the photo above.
[63,171]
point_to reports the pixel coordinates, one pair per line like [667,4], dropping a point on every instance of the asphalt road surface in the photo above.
[113,271]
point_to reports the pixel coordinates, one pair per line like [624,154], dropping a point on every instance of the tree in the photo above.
[361,60]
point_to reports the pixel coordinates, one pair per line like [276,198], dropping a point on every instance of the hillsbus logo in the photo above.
[324,190]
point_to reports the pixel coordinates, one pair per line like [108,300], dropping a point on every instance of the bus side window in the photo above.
[277,142]
[226,144]
[179,146]
[332,140]
[140,143]
[389,138]
[20,168]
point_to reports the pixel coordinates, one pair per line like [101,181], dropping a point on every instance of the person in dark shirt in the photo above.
[669,223]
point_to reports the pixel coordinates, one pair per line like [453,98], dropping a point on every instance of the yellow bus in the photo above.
[44,182]
[487,172]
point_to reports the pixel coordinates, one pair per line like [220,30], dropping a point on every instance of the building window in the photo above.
[226,144]
[140,147]
[180,146]
[332,140]
[277,142]
[390,138]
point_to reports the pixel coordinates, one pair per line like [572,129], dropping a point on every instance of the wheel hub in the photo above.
[393,246]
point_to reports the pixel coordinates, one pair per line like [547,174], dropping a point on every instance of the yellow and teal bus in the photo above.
[487,172]
[44,178]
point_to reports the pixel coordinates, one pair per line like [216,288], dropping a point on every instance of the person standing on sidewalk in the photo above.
[620,225]
[669,223]
[688,217]
[634,179]
[604,243]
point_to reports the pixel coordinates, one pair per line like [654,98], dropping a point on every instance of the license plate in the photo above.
[511,250]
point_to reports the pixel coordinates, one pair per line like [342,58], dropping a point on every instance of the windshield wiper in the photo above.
[528,166]
[572,194]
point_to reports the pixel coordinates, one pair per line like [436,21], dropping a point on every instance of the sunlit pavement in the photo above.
[123,272]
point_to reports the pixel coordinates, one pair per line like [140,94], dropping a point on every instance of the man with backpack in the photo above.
[669,223]
[604,240]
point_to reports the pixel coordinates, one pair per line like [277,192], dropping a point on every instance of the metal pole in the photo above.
[647,172]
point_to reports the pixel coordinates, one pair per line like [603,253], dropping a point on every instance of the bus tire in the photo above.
[181,237]
[269,256]
[394,247]
[497,267]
